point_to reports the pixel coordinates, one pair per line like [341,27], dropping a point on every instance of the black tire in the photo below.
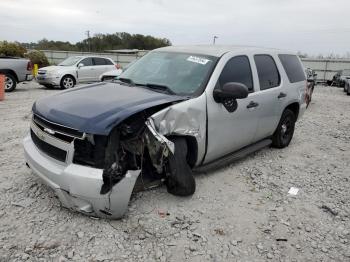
[10,83]
[348,91]
[67,82]
[180,180]
[285,130]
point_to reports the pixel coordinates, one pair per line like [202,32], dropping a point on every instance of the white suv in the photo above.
[73,70]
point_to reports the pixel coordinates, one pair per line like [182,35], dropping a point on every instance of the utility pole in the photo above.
[214,39]
[88,39]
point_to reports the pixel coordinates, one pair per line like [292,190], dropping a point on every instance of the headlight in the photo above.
[52,74]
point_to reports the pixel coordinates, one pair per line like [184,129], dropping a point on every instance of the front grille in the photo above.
[48,149]
[61,132]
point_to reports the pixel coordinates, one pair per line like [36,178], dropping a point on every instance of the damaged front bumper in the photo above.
[78,187]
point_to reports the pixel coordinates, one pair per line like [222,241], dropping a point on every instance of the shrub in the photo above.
[37,57]
[11,49]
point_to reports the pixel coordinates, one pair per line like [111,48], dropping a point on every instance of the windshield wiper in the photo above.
[161,88]
[126,80]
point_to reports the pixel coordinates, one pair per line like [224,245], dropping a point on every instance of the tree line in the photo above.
[102,42]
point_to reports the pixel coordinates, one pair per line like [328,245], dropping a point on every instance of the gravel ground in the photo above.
[240,213]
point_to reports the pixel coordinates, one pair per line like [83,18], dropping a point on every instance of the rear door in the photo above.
[230,131]
[109,65]
[270,96]
[102,65]
[86,72]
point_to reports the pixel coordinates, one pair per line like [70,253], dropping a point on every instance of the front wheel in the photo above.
[10,83]
[285,130]
[67,82]
[180,180]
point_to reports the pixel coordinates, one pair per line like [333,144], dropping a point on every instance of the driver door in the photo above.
[231,131]
[86,73]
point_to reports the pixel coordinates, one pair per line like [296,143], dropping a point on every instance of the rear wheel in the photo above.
[67,82]
[285,130]
[10,83]
[180,180]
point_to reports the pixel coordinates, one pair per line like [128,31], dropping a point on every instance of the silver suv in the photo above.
[174,111]
[73,70]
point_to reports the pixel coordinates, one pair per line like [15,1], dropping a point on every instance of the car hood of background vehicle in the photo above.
[96,109]
[56,69]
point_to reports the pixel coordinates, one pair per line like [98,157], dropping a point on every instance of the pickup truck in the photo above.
[16,70]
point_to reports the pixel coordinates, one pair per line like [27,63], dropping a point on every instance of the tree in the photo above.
[102,42]
[37,57]
[11,49]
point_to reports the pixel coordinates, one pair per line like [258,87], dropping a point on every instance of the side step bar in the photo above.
[225,160]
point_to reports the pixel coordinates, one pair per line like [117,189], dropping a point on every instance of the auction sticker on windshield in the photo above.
[198,60]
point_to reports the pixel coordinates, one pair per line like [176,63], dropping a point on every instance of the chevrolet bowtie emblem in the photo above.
[49,131]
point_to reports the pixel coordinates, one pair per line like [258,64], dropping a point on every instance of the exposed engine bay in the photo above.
[133,145]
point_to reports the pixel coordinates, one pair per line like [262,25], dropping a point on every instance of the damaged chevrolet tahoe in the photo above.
[174,111]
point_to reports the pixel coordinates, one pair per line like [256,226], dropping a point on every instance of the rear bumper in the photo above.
[29,77]
[78,187]
[302,110]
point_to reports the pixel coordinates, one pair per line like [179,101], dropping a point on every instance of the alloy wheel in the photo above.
[8,83]
[68,82]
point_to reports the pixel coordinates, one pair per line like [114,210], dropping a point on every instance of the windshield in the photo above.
[346,72]
[70,61]
[178,73]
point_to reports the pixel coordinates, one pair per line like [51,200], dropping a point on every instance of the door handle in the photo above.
[281,95]
[252,104]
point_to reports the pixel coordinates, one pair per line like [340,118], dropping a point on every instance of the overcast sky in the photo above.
[312,26]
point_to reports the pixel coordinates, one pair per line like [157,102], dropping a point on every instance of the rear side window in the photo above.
[99,61]
[237,70]
[108,62]
[269,76]
[293,68]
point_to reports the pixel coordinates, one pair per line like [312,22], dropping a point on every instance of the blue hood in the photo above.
[96,109]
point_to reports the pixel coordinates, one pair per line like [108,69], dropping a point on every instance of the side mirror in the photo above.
[231,90]
[80,65]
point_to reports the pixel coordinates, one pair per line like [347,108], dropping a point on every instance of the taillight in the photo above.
[29,66]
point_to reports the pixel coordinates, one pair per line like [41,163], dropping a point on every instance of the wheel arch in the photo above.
[294,107]
[71,75]
[11,72]
[192,148]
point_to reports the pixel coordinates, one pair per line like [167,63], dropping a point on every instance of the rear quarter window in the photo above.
[108,62]
[293,68]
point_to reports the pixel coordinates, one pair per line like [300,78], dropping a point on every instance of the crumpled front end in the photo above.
[96,174]
[78,187]
[54,153]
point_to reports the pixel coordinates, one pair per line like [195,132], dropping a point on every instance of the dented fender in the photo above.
[187,118]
